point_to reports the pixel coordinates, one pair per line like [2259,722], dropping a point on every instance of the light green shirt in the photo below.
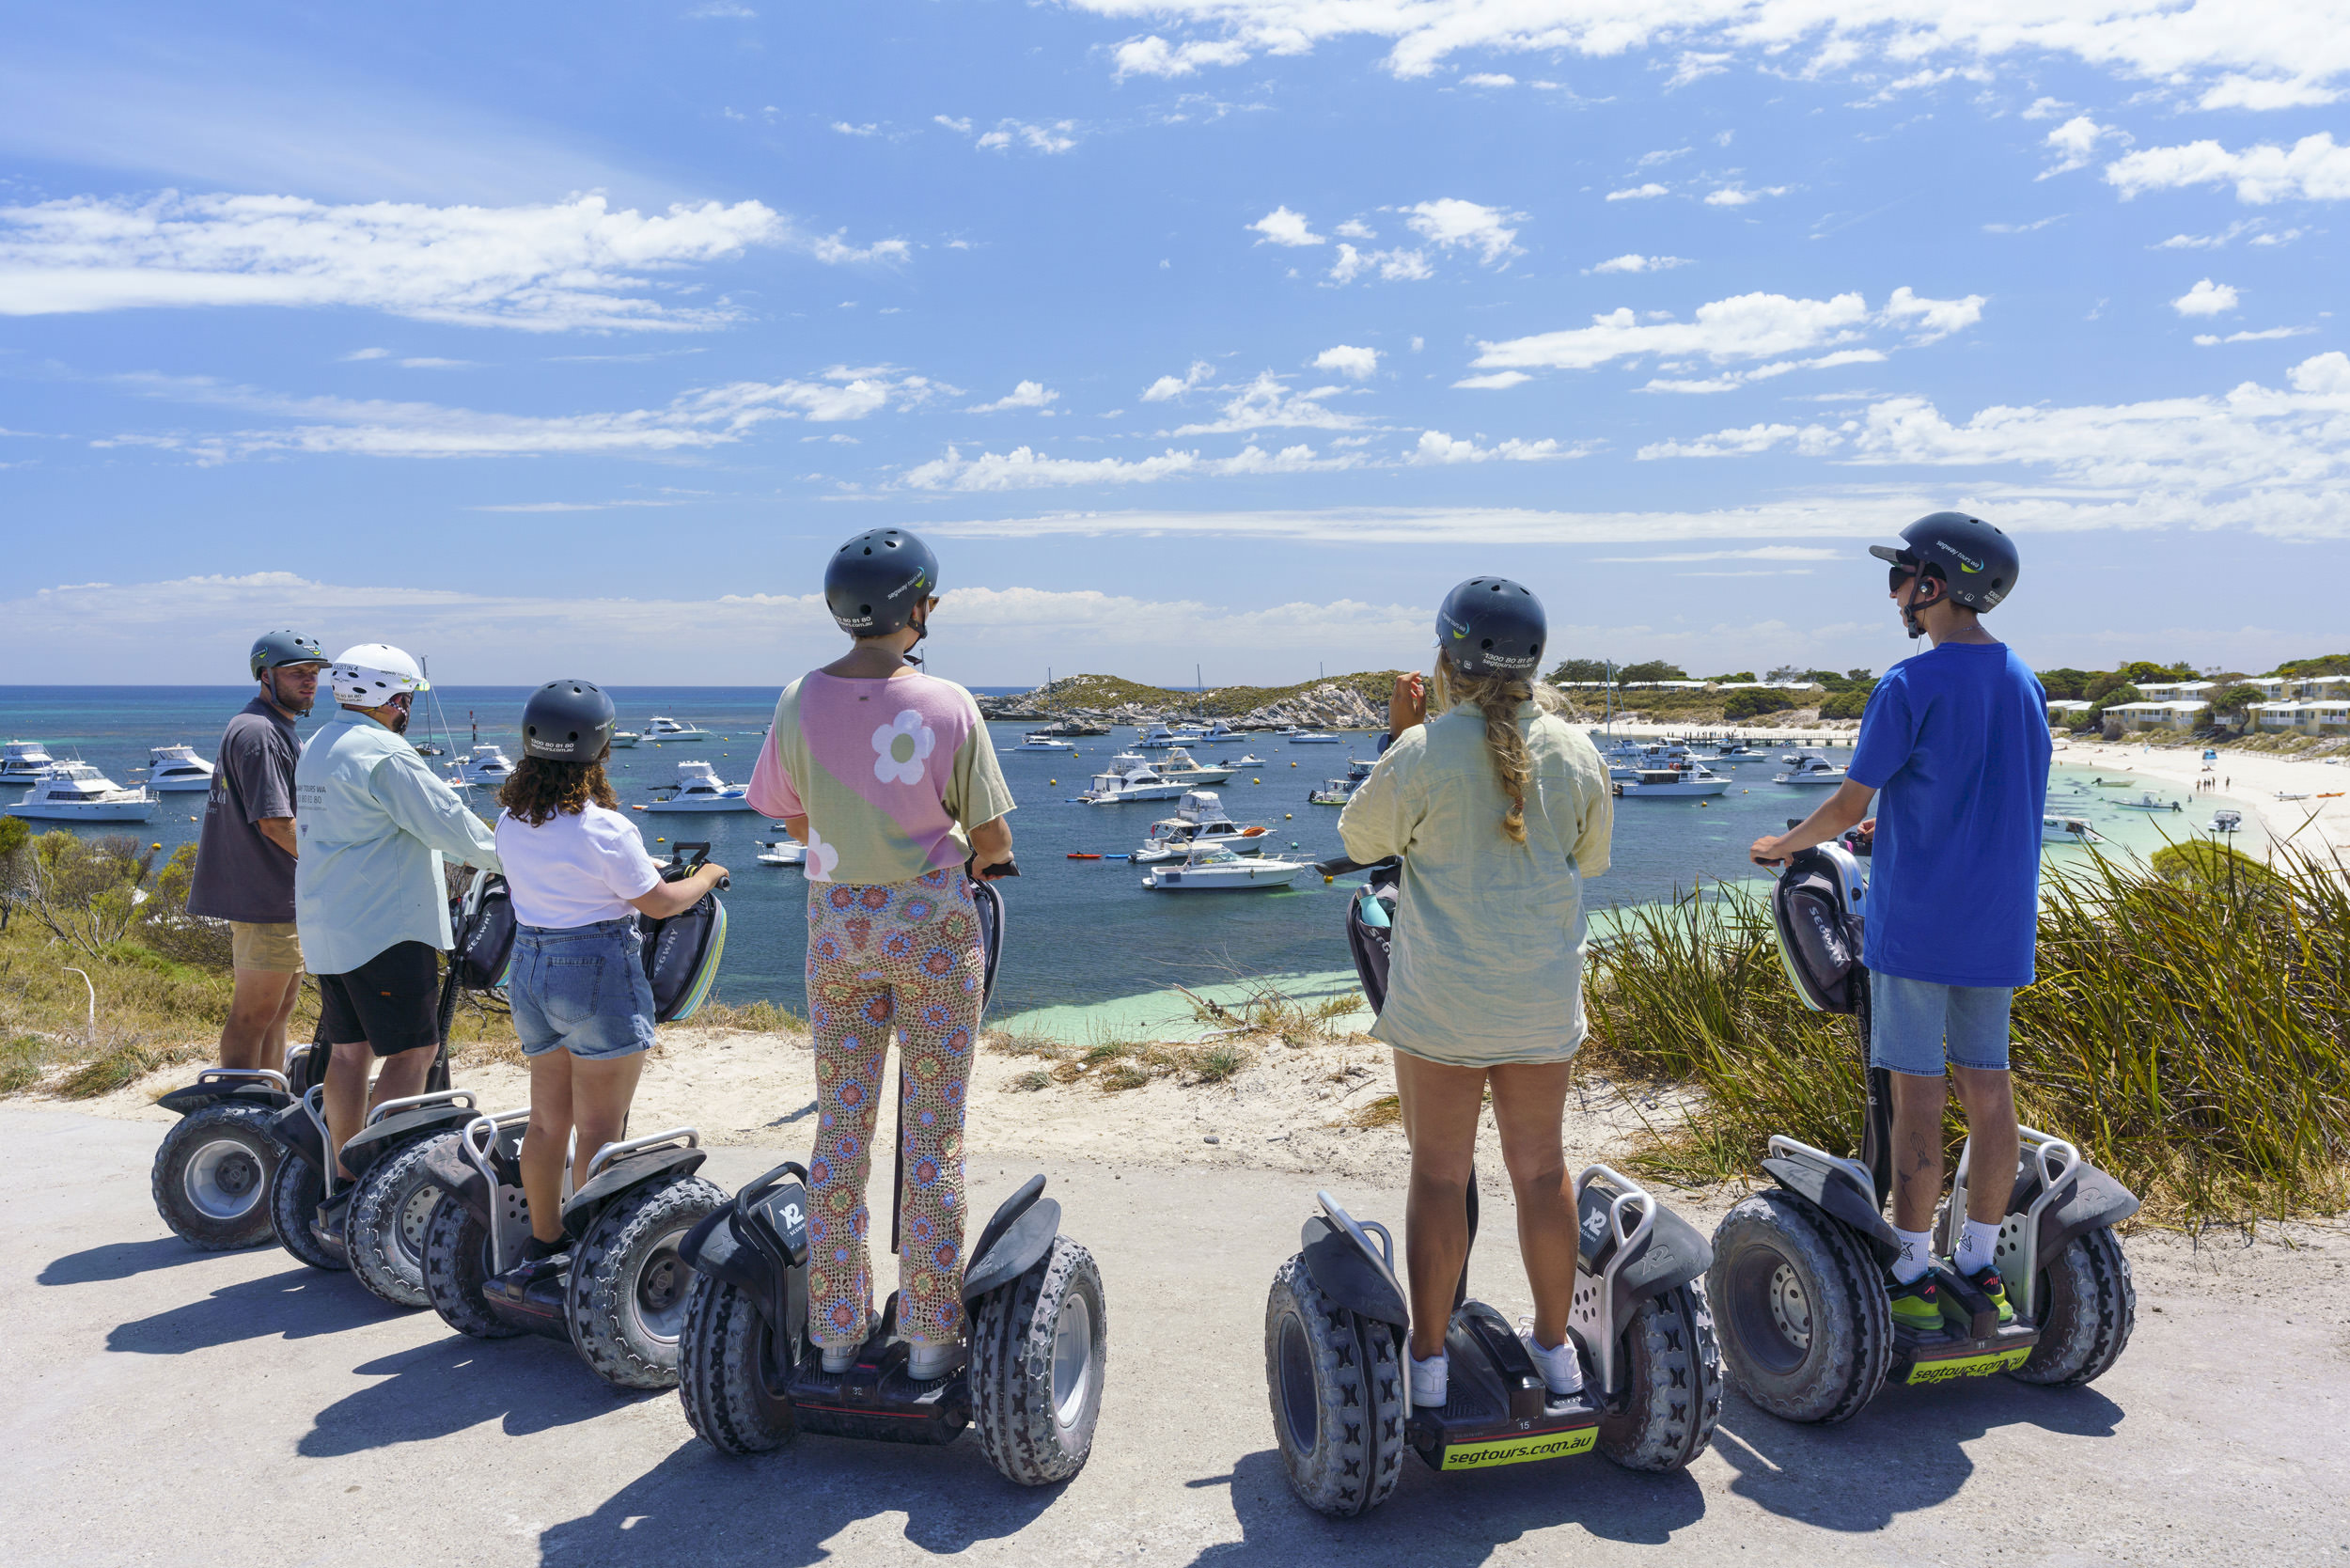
[1489,933]
[373,823]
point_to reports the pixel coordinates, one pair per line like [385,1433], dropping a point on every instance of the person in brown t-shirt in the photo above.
[244,854]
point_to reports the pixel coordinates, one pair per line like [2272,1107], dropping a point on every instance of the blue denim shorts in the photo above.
[582,988]
[1915,1026]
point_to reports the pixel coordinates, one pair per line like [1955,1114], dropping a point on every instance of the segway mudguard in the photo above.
[255,1085]
[682,953]
[447,1109]
[1344,1265]
[1019,1232]
[616,1168]
[1671,1252]
[2095,1203]
[1841,1189]
[297,1129]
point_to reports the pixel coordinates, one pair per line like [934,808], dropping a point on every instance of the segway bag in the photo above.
[1370,936]
[682,953]
[484,921]
[1815,903]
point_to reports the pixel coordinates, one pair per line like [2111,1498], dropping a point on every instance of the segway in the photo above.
[751,1377]
[1338,1326]
[1799,1269]
[213,1170]
[621,1303]
[391,1193]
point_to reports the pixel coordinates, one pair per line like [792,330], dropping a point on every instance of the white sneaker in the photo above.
[839,1358]
[1429,1380]
[927,1361]
[1560,1366]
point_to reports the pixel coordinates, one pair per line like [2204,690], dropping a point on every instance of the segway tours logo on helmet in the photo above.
[1965,563]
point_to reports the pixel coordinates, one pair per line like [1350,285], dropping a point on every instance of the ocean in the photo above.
[1084,942]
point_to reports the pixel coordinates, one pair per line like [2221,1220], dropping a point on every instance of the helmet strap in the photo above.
[1915,627]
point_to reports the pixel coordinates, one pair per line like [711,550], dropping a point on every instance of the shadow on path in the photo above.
[297,1303]
[122,1260]
[527,1385]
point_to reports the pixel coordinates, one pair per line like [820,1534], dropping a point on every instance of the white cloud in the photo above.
[726,9]
[1355,228]
[847,130]
[960,127]
[1266,403]
[2312,169]
[1352,363]
[424,362]
[1024,469]
[1009,133]
[1640,192]
[2324,375]
[1028,393]
[1738,196]
[1155,57]
[575,264]
[1812,441]
[1661,155]
[1437,448]
[2267,335]
[1693,66]
[2205,299]
[1450,221]
[1635,262]
[1500,381]
[1935,320]
[2074,143]
[1393,266]
[1159,391]
[2045,108]
[1489,79]
[693,421]
[1282,227]
[366,353]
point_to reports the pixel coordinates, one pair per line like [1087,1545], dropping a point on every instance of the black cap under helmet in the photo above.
[874,581]
[275,650]
[567,721]
[1493,626]
[1978,565]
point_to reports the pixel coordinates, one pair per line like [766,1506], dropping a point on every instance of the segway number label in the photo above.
[787,1211]
[1968,1366]
[1518,1450]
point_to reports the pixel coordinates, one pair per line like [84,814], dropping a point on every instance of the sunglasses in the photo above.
[1898,575]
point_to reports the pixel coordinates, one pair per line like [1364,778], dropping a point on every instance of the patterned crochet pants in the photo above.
[905,953]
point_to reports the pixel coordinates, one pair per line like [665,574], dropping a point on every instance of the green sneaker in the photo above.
[1989,1283]
[1917,1306]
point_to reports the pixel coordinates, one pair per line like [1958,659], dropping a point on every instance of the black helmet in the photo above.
[273,650]
[567,721]
[1493,626]
[1977,563]
[875,580]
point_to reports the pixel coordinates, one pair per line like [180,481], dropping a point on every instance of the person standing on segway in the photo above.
[889,776]
[246,850]
[1957,738]
[579,875]
[373,824]
[1499,810]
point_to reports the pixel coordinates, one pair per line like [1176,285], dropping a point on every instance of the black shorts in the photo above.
[392,1001]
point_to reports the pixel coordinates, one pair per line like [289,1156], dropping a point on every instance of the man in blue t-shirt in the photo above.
[1956,740]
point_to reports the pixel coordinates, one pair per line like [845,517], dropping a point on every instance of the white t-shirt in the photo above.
[575,870]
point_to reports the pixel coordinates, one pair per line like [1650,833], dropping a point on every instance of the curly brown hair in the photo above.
[539,789]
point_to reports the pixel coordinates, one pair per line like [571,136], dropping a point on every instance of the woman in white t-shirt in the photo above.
[579,875]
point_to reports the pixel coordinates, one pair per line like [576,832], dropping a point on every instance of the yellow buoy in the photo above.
[661,841]
[1049,781]
[156,846]
[1285,816]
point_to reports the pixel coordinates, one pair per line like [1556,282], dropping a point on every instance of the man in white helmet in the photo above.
[373,824]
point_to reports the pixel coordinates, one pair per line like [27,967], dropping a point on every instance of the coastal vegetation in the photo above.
[1072,694]
[2189,1030]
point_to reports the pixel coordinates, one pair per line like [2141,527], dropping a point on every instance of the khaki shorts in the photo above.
[272,946]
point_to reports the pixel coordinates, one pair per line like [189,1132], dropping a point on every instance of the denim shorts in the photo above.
[1915,1026]
[582,988]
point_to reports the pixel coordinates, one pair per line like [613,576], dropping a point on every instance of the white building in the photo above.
[2191,714]
[2324,715]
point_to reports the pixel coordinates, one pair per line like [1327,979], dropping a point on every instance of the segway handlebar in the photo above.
[752,1192]
[1341,866]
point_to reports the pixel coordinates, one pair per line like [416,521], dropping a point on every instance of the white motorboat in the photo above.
[1042,743]
[1313,737]
[2068,830]
[1198,819]
[485,764]
[1212,867]
[1130,777]
[1219,731]
[698,788]
[22,762]
[1736,751]
[1686,782]
[1178,765]
[1158,737]
[659,727]
[2224,821]
[1338,791]
[77,793]
[1810,770]
[2148,800]
[177,768]
[622,740]
[781,851]
[1249,760]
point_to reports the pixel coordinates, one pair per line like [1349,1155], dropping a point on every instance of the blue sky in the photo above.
[1215,332]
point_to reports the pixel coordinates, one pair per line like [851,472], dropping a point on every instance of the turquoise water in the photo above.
[1087,949]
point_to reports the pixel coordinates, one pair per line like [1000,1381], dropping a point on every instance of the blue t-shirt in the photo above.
[1955,741]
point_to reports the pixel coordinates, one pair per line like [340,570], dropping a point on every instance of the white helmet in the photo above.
[373,673]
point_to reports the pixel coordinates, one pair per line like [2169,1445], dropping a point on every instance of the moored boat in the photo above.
[77,793]
[1212,867]
[177,768]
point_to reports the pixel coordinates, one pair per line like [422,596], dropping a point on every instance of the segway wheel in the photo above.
[296,1189]
[1040,1345]
[1806,1326]
[1674,1386]
[2092,1308]
[731,1365]
[1336,1381]
[390,1212]
[627,1287]
[212,1177]
[456,1265]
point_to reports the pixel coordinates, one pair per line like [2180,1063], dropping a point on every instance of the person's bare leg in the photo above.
[346,1095]
[402,1073]
[1440,1106]
[1988,1096]
[1530,1104]
[601,1089]
[545,1142]
[254,1034]
[1918,1103]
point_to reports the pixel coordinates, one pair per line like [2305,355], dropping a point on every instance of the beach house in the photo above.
[2305,705]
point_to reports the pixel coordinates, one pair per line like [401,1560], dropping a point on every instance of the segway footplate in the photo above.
[875,1400]
[1973,1342]
[1497,1410]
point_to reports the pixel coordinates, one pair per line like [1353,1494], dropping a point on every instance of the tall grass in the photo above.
[2193,1036]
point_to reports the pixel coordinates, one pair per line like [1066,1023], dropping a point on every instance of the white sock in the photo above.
[1977,1247]
[1916,1255]
[1561,1369]
[1429,1379]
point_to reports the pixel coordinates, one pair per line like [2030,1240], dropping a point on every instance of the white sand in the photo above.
[2254,777]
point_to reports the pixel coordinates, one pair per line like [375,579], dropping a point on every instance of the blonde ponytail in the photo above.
[1497,697]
